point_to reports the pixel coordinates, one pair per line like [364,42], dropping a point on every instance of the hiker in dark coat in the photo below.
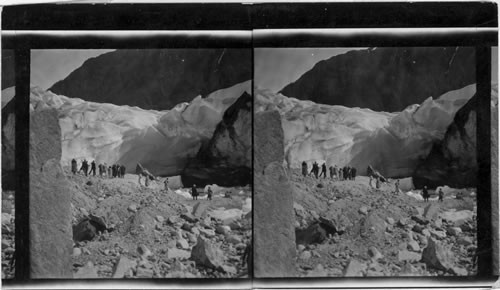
[425,194]
[331,171]
[85,167]
[344,173]
[118,171]
[304,168]
[353,173]
[209,193]
[441,194]
[316,169]
[73,166]
[194,192]
[110,172]
[123,169]
[92,169]
[323,170]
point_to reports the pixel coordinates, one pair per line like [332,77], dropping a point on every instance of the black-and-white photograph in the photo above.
[147,153]
[365,160]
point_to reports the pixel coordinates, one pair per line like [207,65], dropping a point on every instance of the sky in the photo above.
[51,65]
[277,67]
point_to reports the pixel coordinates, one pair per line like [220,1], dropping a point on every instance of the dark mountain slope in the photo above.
[386,79]
[154,78]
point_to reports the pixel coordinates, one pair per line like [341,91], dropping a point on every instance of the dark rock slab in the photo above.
[226,159]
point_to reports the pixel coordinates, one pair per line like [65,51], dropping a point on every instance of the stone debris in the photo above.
[437,255]
[204,253]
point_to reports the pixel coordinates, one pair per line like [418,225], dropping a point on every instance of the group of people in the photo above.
[195,193]
[112,171]
[336,173]
[426,195]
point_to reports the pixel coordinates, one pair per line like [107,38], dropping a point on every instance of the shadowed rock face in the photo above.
[386,79]
[8,66]
[50,197]
[452,161]
[274,234]
[226,159]
[156,79]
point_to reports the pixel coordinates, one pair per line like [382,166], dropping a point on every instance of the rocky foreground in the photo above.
[8,234]
[347,228]
[123,230]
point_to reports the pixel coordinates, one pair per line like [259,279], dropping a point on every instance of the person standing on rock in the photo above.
[109,172]
[209,193]
[73,166]
[425,194]
[113,169]
[323,170]
[194,192]
[353,173]
[123,169]
[331,171]
[378,182]
[396,189]
[166,184]
[92,168]
[85,167]
[371,180]
[304,168]
[441,194]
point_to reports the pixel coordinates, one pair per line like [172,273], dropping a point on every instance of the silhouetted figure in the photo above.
[441,194]
[123,169]
[425,194]
[92,169]
[85,167]
[113,168]
[378,183]
[209,193]
[194,192]
[166,184]
[110,172]
[353,173]
[323,170]
[73,166]
[304,168]
[396,189]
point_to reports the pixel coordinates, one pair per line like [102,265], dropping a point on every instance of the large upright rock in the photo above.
[226,159]
[156,78]
[452,161]
[274,235]
[50,210]
[386,78]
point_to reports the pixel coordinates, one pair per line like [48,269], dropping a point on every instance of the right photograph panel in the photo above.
[365,161]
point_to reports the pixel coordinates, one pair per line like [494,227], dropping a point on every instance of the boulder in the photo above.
[89,271]
[189,217]
[123,265]
[274,232]
[363,210]
[466,241]
[413,246]
[50,232]
[454,231]
[144,251]
[409,256]
[431,211]
[183,244]
[200,209]
[374,253]
[205,254]
[437,255]
[174,253]
[438,234]
[223,230]
[354,268]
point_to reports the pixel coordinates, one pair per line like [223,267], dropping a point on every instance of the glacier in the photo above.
[161,141]
[392,142]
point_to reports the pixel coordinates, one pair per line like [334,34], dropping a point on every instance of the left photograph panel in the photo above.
[140,163]
[8,164]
